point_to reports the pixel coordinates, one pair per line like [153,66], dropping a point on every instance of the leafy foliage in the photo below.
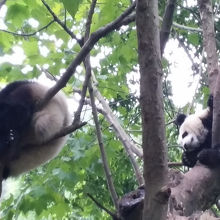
[58,190]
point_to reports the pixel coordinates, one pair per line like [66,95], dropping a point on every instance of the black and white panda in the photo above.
[24,132]
[195,136]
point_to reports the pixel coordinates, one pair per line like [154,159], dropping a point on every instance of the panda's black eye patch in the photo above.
[184,134]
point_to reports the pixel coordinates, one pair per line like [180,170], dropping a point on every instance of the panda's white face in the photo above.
[192,133]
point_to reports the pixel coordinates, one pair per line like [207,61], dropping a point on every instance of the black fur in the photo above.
[204,153]
[180,119]
[189,158]
[210,157]
[16,111]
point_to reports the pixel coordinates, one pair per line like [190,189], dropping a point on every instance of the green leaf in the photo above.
[71,6]
[30,48]
[17,13]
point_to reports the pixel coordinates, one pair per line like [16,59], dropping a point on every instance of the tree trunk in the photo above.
[154,147]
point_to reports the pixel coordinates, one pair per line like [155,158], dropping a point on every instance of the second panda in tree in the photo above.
[24,132]
[195,136]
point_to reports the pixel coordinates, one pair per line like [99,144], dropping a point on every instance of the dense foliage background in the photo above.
[49,34]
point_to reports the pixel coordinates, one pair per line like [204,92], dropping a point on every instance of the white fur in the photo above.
[45,123]
[195,129]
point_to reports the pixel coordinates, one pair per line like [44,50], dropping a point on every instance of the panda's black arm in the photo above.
[189,158]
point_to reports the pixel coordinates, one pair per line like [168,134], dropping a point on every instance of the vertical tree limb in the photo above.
[87,64]
[209,42]
[154,147]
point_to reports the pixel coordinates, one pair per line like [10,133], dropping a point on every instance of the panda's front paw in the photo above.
[210,157]
[189,159]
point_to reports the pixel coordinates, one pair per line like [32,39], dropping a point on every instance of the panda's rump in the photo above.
[32,157]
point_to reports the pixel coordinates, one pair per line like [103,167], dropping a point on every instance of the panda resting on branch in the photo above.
[24,132]
[195,136]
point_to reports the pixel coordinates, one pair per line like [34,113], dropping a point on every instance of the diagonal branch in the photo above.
[113,215]
[86,64]
[87,47]
[122,135]
[167,24]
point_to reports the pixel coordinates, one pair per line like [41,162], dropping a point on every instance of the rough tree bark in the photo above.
[154,147]
[197,190]
[209,42]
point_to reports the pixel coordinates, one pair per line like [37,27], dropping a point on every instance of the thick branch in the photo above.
[102,150]
[195,193]
[167,24]
[151,100]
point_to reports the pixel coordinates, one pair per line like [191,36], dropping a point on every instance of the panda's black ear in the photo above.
[180,119]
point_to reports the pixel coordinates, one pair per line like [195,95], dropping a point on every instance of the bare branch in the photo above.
[113,215]
[102,150]
[87,66]
[132,17]
[167,24]
[65,131]
[30,34]
[89,20]
[174,164]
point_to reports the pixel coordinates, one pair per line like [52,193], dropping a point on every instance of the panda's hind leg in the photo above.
[46,125]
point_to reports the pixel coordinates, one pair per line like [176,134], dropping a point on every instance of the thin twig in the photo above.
[174,164]
[65,131]
[86,64]
[111,187]
[62,24]
[89,20]
[28,35]
[113,215]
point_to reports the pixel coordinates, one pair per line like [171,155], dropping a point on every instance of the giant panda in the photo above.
[195,136]
[24,132]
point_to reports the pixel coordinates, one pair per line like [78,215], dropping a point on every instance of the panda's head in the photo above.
[193,131]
